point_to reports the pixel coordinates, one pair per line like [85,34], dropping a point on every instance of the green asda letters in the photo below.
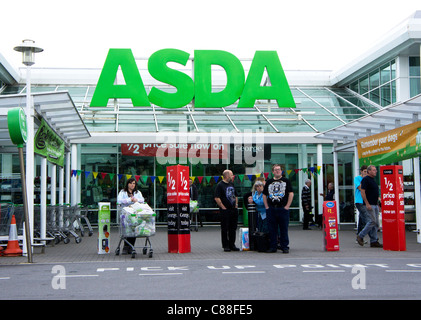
[247,91]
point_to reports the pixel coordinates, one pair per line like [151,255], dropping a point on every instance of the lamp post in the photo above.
[28,49]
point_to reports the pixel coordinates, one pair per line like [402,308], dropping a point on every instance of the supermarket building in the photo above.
[316,138]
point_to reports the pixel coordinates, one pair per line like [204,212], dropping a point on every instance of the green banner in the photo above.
[391,146]
[49,145]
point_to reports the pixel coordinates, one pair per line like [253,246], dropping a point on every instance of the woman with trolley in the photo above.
[127,196]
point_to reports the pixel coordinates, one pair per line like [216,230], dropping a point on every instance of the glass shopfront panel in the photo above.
[105,170]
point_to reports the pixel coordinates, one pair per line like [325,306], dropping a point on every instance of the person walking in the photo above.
[226,198]
[277,198]
[370,195]
[359,203]
[306,204]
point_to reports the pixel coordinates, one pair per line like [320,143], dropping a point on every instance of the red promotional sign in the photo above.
[178,184]
[178,209]
[393,209]
[181,150]
[330,226]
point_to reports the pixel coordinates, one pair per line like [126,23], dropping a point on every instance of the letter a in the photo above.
[358,282]
[58,281]
[133,89]
[278,90]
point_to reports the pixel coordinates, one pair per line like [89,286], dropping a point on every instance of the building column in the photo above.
[320,178]
[417,197]
[336,178]
[73,178]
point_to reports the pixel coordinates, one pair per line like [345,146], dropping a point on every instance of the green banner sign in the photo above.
[391,146]
[49,145]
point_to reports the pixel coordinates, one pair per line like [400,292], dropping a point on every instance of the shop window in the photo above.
[414,76]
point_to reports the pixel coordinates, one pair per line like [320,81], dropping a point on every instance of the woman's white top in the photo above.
[124,200]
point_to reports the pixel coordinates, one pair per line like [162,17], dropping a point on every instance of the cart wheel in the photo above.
[196,228]
[133,254]
[91,233]
[66,240]
[56,240]
[117,251]
[145,250]
[150,253]
[78,240]
[82,233]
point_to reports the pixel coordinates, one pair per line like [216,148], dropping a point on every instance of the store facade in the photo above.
[128,139]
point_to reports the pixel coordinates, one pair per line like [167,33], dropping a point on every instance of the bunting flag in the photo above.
[144,178]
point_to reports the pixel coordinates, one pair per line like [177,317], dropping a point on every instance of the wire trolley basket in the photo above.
[136,221]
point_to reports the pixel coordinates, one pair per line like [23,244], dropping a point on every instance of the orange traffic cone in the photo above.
[13,249]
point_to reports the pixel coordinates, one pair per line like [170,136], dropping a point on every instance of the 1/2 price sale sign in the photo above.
[393,208]
[178,209]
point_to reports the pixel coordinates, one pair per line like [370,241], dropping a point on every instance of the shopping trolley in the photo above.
[7,210]
[82,213]
[69,223]
[136,221]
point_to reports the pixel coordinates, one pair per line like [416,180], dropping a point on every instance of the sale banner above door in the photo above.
[391,146]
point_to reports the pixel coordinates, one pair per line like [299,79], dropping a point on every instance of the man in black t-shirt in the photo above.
[227,200]
[370,195]
[277,198]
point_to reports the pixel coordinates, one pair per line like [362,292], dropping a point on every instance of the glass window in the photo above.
[415,86]
[354,86]
[393,86]
[385,95]
[393,69]
[12,90]
[364,85]
[375,96]
[385,74]
[374,79]
[414,66]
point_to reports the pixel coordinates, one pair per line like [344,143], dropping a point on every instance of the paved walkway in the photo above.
[206,244]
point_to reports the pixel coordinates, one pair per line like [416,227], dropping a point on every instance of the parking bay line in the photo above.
[162,274]
[323,271]
[403,270]
[242,272]
[76,275]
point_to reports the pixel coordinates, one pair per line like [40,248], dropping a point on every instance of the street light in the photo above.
[28,50]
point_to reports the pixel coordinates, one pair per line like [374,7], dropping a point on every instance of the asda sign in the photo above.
[238,88]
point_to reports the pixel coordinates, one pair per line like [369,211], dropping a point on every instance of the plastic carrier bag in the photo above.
[194,206]
[137,220]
